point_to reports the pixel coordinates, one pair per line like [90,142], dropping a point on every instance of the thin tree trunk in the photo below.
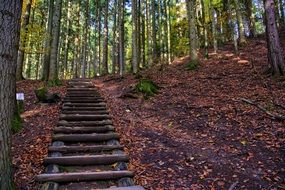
[66,43]
[21,52]
[154,42]
[115,38]
[134,37]
[192,28]
[105,44]
[214,29]
[53,73]
[241,38]
[85,42]
[10,14]
[46,65]
[121,9]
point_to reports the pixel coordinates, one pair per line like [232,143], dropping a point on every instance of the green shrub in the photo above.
[41,94]
[20,104]
[147,87]
[192,65]
[16,125]
[55,82]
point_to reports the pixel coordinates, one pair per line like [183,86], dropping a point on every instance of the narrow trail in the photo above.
[85,151]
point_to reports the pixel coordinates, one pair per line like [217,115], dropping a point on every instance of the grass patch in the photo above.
[147,87]
[192,65]
[53,83]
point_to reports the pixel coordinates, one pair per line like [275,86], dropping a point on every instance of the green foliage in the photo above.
[55,82]
[147,87]
[41,94]
[16,125]
[20,104]
[192,65]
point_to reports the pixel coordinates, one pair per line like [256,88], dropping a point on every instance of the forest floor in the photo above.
[196,133]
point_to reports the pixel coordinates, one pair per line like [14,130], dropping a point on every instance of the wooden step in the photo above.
[64,108]
[86,160]
[86,112]
[85,123]
[69,130]
[84,104]
[84,100]
[95,148]
[137,187]
[80,117]
[86,176]
[85,137]
[78,95]
[81,89]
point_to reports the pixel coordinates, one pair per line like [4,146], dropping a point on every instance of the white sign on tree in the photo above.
[20,96]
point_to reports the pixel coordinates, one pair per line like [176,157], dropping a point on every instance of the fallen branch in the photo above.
[233,185]
[272,115]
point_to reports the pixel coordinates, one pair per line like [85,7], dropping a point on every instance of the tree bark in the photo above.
[275,53]
[10,13]
[192,28]
[21,52]
[106,35]
[241,38]
[46,64]
[121,9]
[134,37]
[53,72]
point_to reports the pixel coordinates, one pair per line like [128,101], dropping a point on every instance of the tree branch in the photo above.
[272,115]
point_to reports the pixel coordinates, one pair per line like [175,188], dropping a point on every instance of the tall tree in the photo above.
[121,16]
[191,10]
[53,72]
[134,37]
[275,53]
[106,35]
[10,13]
[241,32]
[21,52]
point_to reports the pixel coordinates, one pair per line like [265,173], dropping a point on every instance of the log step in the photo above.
[68,130]
[77,95]
[77,117]
[85,123]
[83,101]
[81,89]
[86,160]
[90,176]
[137,187]
[95,148]
[84,112]
[85,104]
[83,108]
[85,137]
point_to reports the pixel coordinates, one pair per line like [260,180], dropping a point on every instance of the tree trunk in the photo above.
[154,42]
[85,42]
[275,53]
[21,53]
[121,16]
[66,43]
[46,65]
[10,14]
[53,72]
[115,38]
[134,37]
[250,17]
[214,25]
[106,35]
[192,28]
[241,38]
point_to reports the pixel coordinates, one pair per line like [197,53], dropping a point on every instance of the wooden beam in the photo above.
[94,148]
[84,137]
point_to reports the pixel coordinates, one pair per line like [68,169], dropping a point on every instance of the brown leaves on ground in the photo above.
[29,147]
[197,133]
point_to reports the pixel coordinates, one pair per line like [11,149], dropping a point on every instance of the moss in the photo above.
[41,94]
[55,82]
[147,87]
[16,125]
[192,65]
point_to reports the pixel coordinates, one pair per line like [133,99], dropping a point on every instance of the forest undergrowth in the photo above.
[198,132]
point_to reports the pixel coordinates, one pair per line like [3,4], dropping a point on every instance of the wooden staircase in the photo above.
[85,152]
